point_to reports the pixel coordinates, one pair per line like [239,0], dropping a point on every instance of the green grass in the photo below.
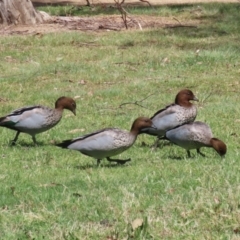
[51,193]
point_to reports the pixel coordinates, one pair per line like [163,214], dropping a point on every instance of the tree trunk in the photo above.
[19,12]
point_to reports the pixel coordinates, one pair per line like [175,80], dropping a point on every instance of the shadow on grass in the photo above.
[29,144]
[177,158]
[192,157]
[95,166]
[162,143]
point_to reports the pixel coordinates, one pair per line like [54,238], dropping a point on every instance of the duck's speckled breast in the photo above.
[186,114]
[53,117]
[123,139]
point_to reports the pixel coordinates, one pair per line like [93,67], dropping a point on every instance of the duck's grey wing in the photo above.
[102,139]
[180,134]
[161,111]
[26,117]
[163,120]
[191,135]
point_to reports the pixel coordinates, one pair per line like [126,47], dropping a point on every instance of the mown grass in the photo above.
[50,193]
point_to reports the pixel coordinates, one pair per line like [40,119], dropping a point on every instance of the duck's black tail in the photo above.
[64,144]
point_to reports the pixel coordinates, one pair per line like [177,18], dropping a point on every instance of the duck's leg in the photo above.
[155,144]
[188,153]
[198,151]
[119,161]
[13,142]
[98,162]
[34,139]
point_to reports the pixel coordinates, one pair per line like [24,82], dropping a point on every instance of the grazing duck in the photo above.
[107,142]
[194,136]
[173,115]
[36,119]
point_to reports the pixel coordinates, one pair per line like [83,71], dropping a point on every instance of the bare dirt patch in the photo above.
[135,2]
[99,23]
[102,23]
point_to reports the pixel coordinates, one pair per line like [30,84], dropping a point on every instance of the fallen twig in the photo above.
[109,28]
[122,11]
[137,102]
[125,14]
[146,2]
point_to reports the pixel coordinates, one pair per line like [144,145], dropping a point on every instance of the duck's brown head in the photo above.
[219,146]
[184,96]
[66,103]
[140,123]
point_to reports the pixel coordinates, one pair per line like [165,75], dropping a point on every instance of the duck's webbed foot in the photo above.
[198,151]
[13,142]
[119,161]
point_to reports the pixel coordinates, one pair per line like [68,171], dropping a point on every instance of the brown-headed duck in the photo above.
[36,119]
[180,112]
[194,136]
[107,142]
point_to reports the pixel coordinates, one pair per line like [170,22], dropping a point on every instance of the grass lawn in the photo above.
[53,193]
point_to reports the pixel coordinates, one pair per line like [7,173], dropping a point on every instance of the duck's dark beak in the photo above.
[153,126]
[74,112]
[195,99]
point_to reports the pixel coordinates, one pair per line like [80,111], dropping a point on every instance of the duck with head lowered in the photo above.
[36,119]
[194,136]
[178,113]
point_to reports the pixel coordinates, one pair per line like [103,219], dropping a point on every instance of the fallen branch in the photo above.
[146,2]
[137,102]
[177,20]
[122,11]
[125,14]
[109,28]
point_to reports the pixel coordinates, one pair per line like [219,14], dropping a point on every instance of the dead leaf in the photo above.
[90,93]
[59,59]
[53,142]
[197,51]
[52,184]
[138,222]
[77,195]
[236,230]
[83,82]
[10,59]
[166,60]
[77,130]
